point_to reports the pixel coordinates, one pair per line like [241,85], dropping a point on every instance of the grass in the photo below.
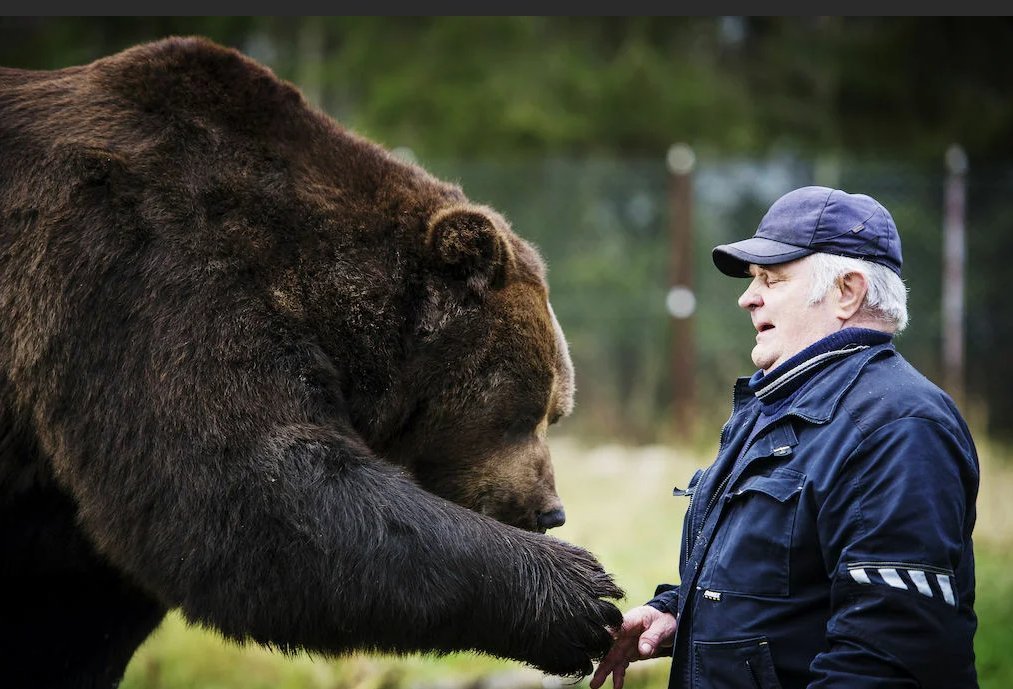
[620,506]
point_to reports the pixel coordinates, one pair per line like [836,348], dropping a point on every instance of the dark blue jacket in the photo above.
[834,549]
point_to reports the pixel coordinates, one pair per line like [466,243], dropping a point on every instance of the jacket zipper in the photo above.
[689,532]
[689,516]
[724,429]
[721,446]
[714,497]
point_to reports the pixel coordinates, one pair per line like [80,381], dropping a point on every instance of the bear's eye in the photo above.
[522,425]
[554,417]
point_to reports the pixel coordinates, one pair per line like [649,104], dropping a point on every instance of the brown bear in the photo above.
[255,367]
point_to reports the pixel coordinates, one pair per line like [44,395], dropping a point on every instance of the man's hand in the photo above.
[644,632]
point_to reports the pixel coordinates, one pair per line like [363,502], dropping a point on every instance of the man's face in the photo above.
[778,303]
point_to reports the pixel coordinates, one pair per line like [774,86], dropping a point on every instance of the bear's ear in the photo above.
[464,242]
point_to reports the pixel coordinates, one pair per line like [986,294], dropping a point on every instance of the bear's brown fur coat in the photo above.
[257,368]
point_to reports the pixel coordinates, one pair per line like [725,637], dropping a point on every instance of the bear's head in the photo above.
[382,306]
[490,372]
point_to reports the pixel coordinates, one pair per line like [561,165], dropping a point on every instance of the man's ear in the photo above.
[853,288]
[465,244]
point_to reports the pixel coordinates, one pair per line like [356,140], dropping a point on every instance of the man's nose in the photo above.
[750,298]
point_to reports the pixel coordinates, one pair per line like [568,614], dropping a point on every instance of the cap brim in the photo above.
[734,259]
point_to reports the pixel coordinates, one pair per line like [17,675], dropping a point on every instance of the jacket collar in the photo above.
[776,388]
[817,400]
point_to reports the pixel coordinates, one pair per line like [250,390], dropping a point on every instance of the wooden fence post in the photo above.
[681,299]
[954,260]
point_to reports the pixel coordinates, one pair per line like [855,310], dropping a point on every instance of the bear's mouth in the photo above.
[519,518]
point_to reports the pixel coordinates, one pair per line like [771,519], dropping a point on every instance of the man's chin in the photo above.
[762,359]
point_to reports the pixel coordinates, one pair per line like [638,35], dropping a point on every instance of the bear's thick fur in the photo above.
[257,368]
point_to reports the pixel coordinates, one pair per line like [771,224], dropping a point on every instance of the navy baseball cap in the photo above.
[816,219]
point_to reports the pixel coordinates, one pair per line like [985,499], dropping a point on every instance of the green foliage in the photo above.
[512,86]
[562,123]
[995,619]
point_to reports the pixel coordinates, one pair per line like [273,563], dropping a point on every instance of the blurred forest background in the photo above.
[564,124]
[567,125]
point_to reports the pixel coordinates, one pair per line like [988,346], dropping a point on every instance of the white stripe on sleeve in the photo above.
[918,577]
[944,586]
[859,575]
[891,577]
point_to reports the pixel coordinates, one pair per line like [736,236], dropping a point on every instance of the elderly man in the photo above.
[829,544]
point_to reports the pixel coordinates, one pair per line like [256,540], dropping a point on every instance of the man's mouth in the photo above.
[764,327]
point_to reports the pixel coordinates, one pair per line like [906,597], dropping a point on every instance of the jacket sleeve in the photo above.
[666,599]
[895,529]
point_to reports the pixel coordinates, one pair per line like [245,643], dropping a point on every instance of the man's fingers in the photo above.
[598,678]
[619,676]
[649,641]
[633,625]
[607,665]
[617,659]
[636,639]
[657,633]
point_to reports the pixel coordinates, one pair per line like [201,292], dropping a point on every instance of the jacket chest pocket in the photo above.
[751,550]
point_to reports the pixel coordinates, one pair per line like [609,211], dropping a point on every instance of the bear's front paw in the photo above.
[578,643]
[575,620]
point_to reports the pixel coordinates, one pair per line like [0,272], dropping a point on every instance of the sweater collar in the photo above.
[772,388]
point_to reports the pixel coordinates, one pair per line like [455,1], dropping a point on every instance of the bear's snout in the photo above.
[551,519]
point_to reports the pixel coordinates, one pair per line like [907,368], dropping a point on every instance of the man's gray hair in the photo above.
[886,298]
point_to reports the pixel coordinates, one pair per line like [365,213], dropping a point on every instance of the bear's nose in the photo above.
[551,519]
